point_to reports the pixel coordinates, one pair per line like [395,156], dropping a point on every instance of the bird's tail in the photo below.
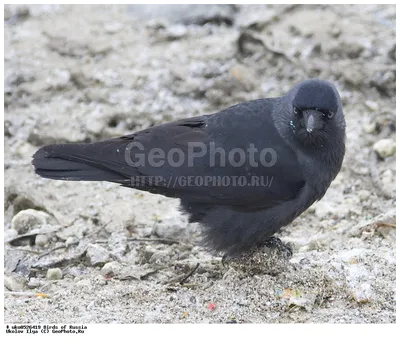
[80,162]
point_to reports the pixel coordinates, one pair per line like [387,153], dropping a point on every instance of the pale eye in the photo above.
[296,110]
[330,114]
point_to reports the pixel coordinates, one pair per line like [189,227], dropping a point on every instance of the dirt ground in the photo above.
[105,254]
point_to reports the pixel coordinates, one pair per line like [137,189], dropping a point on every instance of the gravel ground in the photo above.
[105,254]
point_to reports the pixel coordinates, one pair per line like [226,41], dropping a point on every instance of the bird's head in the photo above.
[314,112]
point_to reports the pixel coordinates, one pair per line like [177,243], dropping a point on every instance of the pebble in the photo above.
[97,254]
[14,282]
[175,32]
[371,128]
[41,240]
[385,148]
[29,219]
[54,274]
[34,282]
[110,268]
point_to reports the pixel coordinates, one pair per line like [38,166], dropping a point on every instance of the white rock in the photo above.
[385,148]
[111,268]
[14,282]
[97,254]
[54,274]
[370,128]
[34,282]
[41,240]
[29,219]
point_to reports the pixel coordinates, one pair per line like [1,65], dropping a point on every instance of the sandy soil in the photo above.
[105,254]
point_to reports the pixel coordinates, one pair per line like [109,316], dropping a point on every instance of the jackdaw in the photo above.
[242,173]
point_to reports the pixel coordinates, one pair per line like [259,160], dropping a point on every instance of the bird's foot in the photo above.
[269,257]
[275,243]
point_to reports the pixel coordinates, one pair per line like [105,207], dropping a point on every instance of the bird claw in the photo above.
[274,243]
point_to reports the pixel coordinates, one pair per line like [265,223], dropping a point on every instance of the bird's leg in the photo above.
[269,257]
[274,243]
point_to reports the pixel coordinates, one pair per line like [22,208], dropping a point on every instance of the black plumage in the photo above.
[305,129]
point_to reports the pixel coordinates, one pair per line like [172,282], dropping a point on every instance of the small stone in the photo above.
[175,32]
[54,274]
[385,148]
[97,255]
[41,240]
[29,219]
[110,268]
[34,282]
[372,128]
[14,282]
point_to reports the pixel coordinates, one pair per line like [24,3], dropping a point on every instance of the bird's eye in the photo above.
[330,114]
[296,110]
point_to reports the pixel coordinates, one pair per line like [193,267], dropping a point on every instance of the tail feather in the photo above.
[69,162]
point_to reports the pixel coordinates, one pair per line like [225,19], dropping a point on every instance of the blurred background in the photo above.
[87,73]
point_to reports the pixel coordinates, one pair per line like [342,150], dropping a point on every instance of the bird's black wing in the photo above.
[126,160]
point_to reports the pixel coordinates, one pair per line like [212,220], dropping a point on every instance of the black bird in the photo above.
[243,172]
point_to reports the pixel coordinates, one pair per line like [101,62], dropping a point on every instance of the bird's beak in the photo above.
[309,119]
